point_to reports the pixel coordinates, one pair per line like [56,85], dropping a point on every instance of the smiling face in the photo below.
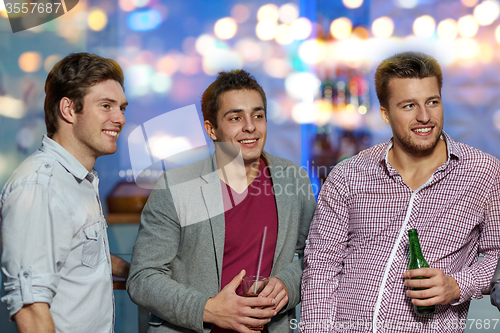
[97,127]
[415,114]
[241,120]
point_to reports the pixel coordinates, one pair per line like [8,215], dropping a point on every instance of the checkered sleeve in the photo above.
[324,254]
[474,281]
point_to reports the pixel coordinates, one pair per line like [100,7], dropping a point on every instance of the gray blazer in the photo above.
[177,258]
[495,284]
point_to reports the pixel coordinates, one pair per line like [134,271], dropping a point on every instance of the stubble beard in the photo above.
[414,149]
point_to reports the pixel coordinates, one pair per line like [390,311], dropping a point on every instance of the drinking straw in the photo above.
[260,257]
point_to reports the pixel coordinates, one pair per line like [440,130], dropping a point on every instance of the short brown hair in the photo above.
[72,77]
[227,81]
[405,65]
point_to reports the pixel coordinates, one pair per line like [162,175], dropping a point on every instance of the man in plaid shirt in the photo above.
[356,276]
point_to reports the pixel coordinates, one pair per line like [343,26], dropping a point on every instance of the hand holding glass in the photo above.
[252,286]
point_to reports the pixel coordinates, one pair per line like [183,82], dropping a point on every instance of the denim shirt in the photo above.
[54,241]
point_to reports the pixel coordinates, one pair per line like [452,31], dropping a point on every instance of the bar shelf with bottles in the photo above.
[341,131]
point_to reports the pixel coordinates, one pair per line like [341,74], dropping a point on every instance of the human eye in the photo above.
[106,106]
[408,106]
[122,108]
[433,102]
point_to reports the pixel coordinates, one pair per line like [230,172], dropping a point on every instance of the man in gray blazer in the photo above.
[202,227]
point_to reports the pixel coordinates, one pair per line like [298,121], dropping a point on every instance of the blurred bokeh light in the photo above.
[469,3]
[304,113]
[161,83]
[97,19]
[301,28]
[284,34]
[466,48]
[140,3]
[383,27]
[30,62]
[447,29]
[406,3]
[269,12]
[497,34]
[424,26]
[288,13]
[144,20]
[126,5]
[467,26]
[240,13]
[219,60]
[352,3]
[50,61]
[12,108]
[249,50]
[225,28]
[341,28]
[138,80]
[205,43]
[266,30]
[487,12]
[167,65]
[277,68]
[302,86]
[312,51]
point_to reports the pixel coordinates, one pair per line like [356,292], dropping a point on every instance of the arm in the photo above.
[33,245]
[119,267]
[471,282]
[150,284]
[285,285]
[475,281]
[324,254]
[34,317]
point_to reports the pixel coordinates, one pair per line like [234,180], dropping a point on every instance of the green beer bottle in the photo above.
[417,261]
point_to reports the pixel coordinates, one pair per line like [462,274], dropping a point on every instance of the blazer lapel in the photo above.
[282,203]
[212,195]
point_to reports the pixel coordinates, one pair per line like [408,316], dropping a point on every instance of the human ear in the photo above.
[210,130]
[384,114]
[67,109]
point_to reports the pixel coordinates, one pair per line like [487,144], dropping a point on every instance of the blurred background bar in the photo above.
[314,59]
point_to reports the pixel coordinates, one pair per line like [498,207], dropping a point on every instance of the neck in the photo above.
[236,172]
[87,160]
[252,170]
[417,169]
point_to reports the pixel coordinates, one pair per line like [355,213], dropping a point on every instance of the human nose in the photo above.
[119,118]
[423,115]
[249,125]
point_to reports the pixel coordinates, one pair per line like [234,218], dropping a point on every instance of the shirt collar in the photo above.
[452,148]
[68,161]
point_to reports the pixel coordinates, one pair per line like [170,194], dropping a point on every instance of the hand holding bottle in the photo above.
[439,287]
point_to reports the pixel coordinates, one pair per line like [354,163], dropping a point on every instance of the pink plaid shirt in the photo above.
[357,249]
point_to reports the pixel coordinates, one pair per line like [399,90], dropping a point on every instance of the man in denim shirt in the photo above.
[56,261]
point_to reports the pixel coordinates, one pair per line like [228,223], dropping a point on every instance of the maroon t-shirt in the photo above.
[246,215]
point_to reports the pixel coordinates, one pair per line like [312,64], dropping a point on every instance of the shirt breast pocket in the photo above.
[92,244]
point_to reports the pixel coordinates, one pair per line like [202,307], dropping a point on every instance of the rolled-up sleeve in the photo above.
[37,234]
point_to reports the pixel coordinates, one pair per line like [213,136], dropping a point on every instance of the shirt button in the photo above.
[26,274]
[47,165]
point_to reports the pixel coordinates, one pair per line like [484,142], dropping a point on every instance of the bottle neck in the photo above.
[415,250]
